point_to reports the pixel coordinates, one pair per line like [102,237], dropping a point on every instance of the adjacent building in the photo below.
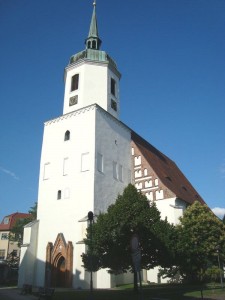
[8,247]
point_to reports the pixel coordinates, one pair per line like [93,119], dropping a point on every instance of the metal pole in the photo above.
[90,218]
[141,292]
[221,279]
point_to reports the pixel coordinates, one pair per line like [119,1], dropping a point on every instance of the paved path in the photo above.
[14,294]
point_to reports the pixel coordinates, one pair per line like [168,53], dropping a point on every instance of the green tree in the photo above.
[112,232]
[16,234]
[223,220]
[200,235]
[33,211]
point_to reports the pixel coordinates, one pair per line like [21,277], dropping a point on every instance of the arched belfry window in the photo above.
[93,44]
[67,135]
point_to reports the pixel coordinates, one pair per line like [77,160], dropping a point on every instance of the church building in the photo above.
[88,157]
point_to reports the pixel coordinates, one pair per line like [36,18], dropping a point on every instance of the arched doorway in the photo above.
[61,272]
[59,263]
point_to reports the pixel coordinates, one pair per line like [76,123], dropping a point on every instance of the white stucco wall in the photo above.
[94,86]
[172,209]
[113,142]
[62,215]
[28,255]
[92,131]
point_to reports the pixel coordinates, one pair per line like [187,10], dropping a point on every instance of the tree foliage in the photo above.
[200,237]
[33,211]
[112,232]
[16,234]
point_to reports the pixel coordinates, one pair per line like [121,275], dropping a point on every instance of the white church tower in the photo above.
[85,163]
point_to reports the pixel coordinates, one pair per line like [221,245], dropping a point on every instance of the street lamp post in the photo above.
[90,218]
[221,278]
[136,258]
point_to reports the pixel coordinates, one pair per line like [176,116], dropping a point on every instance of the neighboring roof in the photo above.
[167,171]
[11,220]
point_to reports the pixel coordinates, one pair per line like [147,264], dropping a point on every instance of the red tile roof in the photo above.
[12,220]
[167,171]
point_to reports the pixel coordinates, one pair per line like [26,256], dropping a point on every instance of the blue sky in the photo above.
[171,54]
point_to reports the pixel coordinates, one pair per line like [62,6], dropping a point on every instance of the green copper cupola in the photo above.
[93,41]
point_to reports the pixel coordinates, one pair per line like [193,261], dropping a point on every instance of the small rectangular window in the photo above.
[67,193]
[4,236]
[67,135]
[65,166]
[85,162]
[75,82]
[138,185]
[6,220]
[148,183]
[115,170]
[120,173]
[113,105]
[137,173]
[149,196]
[113,87]
[59,195]
[137,160]
[46,174]
[100,162]
[2,254]
[159,195]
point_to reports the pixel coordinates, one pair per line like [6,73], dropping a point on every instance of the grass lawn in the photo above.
[163,291]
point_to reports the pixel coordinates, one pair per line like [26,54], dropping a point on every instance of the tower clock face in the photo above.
[73,100]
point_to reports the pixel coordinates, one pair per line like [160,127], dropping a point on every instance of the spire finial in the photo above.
[94,3]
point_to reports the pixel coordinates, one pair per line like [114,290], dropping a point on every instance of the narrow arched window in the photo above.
[74,82]
[59,195]
[93,44]
[113,87]
[67,135]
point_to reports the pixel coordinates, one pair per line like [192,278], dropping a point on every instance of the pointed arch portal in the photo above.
[59,263]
